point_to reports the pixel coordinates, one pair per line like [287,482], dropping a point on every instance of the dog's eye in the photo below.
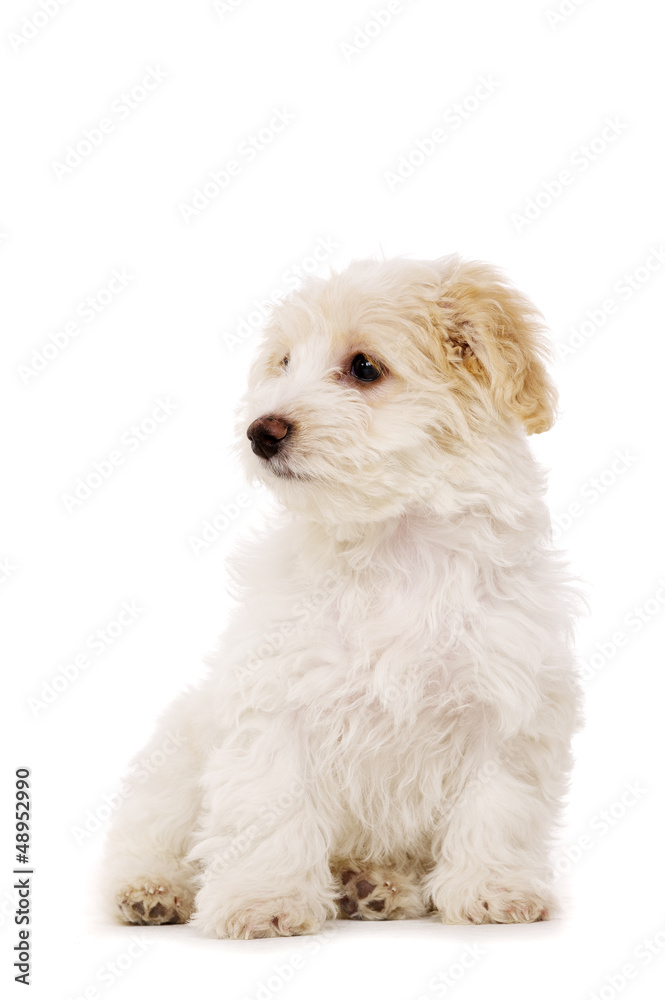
[285,361]
[365,370]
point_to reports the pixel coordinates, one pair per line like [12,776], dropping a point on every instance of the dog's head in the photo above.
[368,384]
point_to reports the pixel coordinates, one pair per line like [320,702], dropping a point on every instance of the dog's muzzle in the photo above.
[267,435]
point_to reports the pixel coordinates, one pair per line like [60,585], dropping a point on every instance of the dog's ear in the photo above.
[497,335]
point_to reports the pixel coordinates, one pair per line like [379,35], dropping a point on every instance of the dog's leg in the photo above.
[262,845]
[491,850]
[145,878]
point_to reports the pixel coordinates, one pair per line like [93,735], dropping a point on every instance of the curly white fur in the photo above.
[387,720]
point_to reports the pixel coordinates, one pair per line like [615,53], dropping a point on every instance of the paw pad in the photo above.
[364,899]
[153,903]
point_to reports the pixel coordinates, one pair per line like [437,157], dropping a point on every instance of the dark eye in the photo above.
[285,361]
[365,370]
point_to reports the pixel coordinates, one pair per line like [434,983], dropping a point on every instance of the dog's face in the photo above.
[369,386]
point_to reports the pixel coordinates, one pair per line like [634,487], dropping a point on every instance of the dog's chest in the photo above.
[391,631]
[401,623]
[386,776]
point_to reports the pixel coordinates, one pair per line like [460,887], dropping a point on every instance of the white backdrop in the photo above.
[166,168]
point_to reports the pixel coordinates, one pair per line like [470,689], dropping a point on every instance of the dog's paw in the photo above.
[154,902]
[373,893]
[498,905]
[282,917]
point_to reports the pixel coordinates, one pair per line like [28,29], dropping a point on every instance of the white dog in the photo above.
[385,731]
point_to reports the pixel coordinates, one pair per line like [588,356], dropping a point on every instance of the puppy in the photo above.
[385,730]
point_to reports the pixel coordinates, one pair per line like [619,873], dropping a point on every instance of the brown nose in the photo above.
[267,434]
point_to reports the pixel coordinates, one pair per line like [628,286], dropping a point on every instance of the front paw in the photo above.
[282,916]
[490,902]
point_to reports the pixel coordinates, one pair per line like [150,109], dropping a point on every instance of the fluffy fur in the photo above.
[385,729]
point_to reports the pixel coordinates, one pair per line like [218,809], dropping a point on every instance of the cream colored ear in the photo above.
[497,334]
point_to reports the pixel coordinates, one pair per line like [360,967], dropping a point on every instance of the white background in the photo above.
[555,85]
